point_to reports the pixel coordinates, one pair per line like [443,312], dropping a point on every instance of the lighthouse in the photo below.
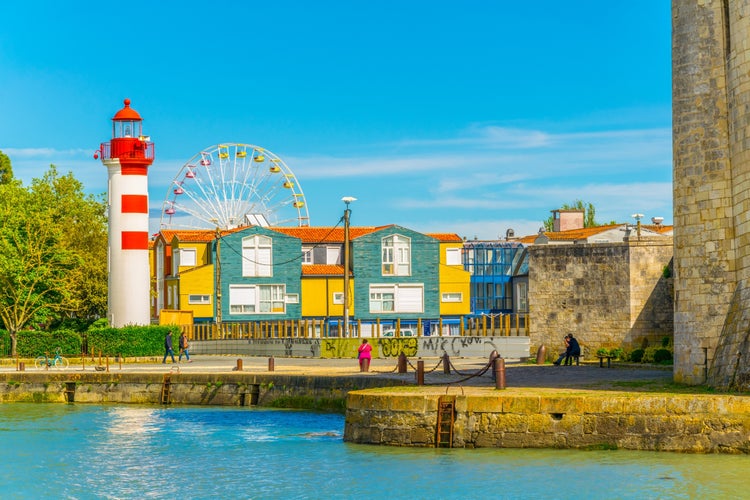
[127,157]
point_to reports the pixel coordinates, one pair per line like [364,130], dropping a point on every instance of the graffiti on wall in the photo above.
[392,347]
[455,346]
[339,348]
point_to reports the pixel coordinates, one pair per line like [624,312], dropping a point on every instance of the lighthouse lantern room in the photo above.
[127,157]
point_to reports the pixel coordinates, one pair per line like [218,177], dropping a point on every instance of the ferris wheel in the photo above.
[231,185]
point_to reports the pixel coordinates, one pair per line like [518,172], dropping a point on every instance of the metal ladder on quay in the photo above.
[445,419]
[166,390]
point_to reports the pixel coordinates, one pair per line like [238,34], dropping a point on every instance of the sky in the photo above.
[470,117]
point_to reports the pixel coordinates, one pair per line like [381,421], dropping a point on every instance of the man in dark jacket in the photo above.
[168,348]
[573,350]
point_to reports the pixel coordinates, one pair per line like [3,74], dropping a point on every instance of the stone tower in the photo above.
[711,182]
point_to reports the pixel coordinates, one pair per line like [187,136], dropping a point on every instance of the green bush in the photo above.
[33,343]
[617,353]
[602,351]
[130,340]
[636,356]
[662,356]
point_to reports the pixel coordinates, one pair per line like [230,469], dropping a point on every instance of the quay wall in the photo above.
[655,422]
[383,347]
[225,389]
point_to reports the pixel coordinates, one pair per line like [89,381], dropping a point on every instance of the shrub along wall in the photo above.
[128,341]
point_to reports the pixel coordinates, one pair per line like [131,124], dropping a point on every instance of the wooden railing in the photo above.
[482,326]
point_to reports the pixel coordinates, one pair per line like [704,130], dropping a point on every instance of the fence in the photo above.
[482,326]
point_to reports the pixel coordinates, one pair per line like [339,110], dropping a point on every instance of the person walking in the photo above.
[168,351]
[364,353]
[184,346]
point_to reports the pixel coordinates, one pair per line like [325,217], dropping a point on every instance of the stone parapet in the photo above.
[655,422]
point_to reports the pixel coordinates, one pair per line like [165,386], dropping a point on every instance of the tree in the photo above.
[589,213]
[52,252]
[6,169]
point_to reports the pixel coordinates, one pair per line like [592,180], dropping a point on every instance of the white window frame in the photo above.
[396,255]
[292,298]
[202,299]
[307,256]
[522,297]
[453,256]
[452,297]
[188,257]
[338,298]
[394,298]
[257,256]
[333,255]
[257,299]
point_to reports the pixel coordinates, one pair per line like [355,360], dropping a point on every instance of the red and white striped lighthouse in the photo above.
[127,158]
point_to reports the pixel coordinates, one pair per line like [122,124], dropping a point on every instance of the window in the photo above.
[382,300]
[397,298]
[187,257]
[333,255]
[292,298]
[396,256]
[307,255]
[522,305]
[338,297]
[453,297]
[256,256]
[199,299]
[453,256]
[252,299]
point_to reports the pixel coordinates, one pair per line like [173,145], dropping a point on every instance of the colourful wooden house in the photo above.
[258,272]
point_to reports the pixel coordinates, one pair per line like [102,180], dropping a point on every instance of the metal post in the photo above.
[402,363]
[347,265]
[446,364]
[217,270]
[499,370]
[420,372]
[239,365]
[270,364]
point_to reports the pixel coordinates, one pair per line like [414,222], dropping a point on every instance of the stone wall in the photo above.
[711,144]
[686,423]
[606,294]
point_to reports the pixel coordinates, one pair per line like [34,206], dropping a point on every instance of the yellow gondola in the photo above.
[288,185]
[241,154]
[260,158]
[298,204]
[275,169]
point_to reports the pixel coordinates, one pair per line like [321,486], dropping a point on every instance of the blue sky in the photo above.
[468,117]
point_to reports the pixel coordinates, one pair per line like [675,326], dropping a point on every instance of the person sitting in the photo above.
[564,353]
[573,351]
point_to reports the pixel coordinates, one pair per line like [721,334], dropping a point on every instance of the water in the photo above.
[93,451]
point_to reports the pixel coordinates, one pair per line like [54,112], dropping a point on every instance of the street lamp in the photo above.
[347,213]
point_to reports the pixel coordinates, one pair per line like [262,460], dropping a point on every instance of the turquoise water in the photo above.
[93,451]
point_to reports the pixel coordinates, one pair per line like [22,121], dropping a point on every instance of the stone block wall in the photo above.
[606,294]
[711,136]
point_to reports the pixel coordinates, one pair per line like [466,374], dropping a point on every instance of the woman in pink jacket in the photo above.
[364,354]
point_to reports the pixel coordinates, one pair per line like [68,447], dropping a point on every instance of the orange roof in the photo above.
[323,234]
[588,232]
[446,237]
[322,269]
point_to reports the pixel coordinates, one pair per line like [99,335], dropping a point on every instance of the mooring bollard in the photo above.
[402,363]
[541,355]
[446,364]
[21,366]
[499,370]
[270,364]
[107,363]
[420,372]
[239,365]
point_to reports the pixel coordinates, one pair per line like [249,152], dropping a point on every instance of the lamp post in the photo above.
[347,213]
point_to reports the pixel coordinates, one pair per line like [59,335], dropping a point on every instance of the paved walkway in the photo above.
[517,375]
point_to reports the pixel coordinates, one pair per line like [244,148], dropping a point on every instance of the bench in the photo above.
[608,358]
